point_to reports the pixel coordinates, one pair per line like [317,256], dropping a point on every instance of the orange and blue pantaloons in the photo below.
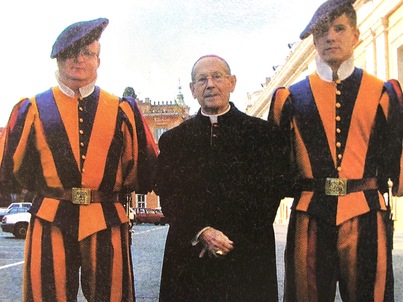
[54,261]
[356,254]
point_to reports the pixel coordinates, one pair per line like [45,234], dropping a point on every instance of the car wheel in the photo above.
[20,230]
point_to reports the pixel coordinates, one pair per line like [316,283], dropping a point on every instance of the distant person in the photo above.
[218,186]
[80,150]
[344,133]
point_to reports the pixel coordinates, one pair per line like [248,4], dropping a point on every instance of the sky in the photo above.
[150,45]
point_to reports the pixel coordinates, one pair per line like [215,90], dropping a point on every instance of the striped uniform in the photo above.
[53,143]
[346,129]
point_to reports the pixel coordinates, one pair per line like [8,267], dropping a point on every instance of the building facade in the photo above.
[379,51]
[160,116]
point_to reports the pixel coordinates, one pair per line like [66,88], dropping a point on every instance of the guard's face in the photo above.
[79,68]
[212,85]
[335,41]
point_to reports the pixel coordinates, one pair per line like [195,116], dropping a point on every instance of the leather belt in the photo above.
[84,196]
[338,186]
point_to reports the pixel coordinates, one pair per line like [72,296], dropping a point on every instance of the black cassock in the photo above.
[224,175]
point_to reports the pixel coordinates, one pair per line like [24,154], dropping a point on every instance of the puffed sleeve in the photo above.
[279,118]
[14,145]
[146,155]
[394,149]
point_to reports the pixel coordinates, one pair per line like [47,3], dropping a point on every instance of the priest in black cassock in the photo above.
[220,187]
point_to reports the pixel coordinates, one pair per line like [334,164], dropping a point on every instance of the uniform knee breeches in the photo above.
[54,261]
[356,254]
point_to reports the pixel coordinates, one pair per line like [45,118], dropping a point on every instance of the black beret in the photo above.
[322,12]
[77,33]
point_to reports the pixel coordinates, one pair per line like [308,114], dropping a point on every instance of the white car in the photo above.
[16,221]
[4,211]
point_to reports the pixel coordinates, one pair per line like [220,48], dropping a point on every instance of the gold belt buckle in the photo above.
[80,196]
[336,186]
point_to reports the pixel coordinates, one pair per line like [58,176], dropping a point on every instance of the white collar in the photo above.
[214,117]
[84,91]
[325,72]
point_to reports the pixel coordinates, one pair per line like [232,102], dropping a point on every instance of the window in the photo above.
[158,132]
[141,200]
[15,210]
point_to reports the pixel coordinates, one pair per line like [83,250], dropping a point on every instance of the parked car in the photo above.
[132,216]
[20,205]
[147,215]
[25,205]
[16,221]
[2,212]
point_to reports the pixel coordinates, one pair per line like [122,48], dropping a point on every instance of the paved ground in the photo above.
[148,248]
[398,265]
[147,284]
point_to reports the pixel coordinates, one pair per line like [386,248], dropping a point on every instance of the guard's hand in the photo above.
[215,242]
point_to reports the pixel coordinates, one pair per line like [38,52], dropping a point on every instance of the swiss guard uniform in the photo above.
[345,142]
[342,157]
[80,156]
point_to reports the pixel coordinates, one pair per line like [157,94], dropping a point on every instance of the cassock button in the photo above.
[81,132]
[338,144]
[338,92]
[338,105]
[338,118]
[338,130]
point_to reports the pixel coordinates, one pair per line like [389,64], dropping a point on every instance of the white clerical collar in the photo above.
[214,117]
[325,72]
[84,91]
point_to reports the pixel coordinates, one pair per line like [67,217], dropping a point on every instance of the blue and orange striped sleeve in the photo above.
[144,146]
[13,143]
[392,104]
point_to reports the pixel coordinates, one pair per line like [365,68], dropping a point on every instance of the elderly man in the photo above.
[343,128]
[79,149]
[217,180]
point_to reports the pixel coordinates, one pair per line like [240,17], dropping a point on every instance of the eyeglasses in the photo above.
[87,54]
[216,77]
[79,52]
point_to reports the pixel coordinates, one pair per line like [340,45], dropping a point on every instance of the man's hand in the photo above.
[215,243]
